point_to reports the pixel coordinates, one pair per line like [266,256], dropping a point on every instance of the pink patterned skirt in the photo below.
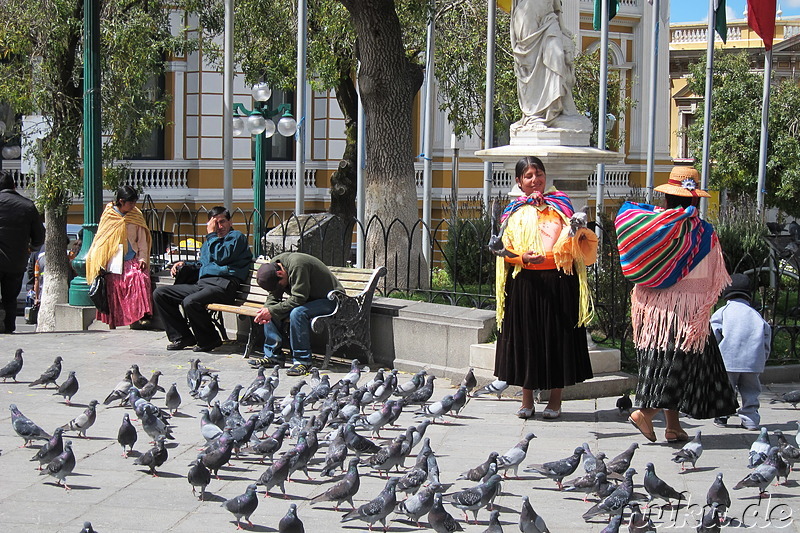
[129,297]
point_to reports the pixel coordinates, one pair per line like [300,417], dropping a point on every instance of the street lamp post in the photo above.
[260,123]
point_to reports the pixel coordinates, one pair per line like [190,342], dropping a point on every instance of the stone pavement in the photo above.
[118,496]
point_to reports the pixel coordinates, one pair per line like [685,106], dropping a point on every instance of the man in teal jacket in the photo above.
[225,262]
[307,281]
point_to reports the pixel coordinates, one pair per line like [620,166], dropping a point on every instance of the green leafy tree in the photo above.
[41,72]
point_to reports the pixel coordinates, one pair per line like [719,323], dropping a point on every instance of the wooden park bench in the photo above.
[348,325]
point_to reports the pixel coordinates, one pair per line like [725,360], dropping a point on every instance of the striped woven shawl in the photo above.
[658,247]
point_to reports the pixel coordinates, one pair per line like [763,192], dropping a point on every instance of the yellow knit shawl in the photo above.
[111,233]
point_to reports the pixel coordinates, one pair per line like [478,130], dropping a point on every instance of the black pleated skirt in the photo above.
[694,383]
[539,346]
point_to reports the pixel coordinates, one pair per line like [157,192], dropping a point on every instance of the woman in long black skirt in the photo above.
[542,297]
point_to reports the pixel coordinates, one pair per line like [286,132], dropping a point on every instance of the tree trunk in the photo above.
[388,82]
[343,181]
[55,288]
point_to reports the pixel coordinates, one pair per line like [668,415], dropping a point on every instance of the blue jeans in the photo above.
[299,330]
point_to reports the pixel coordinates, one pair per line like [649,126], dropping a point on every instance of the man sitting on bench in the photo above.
[225,262]
[307,281]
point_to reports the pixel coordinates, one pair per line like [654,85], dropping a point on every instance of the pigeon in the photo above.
[208,391]
[775,228]
[290,523]
[421,395]
[344,489]
[718,493]
[218,456]
[232,400]
[172,399]
[257,382]
[529,520]
[615,502]
[459,400]
[586,484]
[50,375]
[690,453]
[589,460]
[657,487]
[126,436]
[68,388]
[199,476]
[759,449]
[299,460]
[320,391]
[154,426]
[711,521]
[761,476]
[789,453]
[514,457]
[433,466]
[151,387]
[25,427]
[495,387]
[336,454]
[783,469]
[412,385]
[624,404]
[378,419]
[120,391]
[355,373]
[437,409]
[419,432]
[558,470]
[154,457]
[388,457]
[272,444]
[195,374]
[243,505]
[621,463]
[216,416]
[494,523]
[419,504]
[603,487]
[638,522]
[495,244]
[613,524]
[378,508]
[356,443]
[13,367]
[277,473]
[439,519]
[474,498]
[62,466]
[414,478]
[138,380]
[469,382]
[51,449]
[792,397]
[87,528]
[477,473]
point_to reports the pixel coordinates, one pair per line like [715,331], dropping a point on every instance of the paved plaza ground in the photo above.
[118,496]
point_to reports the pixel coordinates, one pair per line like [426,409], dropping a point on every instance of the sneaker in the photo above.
[298,369]
[721,422]
[267,362]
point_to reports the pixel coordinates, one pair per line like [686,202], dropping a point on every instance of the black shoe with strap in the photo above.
[268,362]
[298,369]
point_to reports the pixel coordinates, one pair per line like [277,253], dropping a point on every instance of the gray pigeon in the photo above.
[199,476]
[759,449]
[494,523]
[638,522]
[356,443]
[68,388]
[495,244]
[589,460]
[377,419]
[377,509]
[412,385]
[51,449]
[791,397]
[414,478]
[558,470]
[690,452]
[87,528]
[419,432]
[13,367]
[138,380]
[209,391]
[718,493]
[151,387]
[622,462]
[277,473]
[613,525]
[25,428]
[154,457]
[420,504]
[421,395]
[388,457]
[496,387]
[243,505]
[50,375]
[272,444]
[615,502]
[469,382]
[344,489]
[459,400]
[336,454]
[657,487]
[711,521]
[761,476]
[474,498]
[437,409]
[586,484]
[172,399]
[439,519]
[290,523]
[126,436]
[477,473]
[529,520]
[120,391]
[514,457]
[61,466]
[83,421]
[153,425]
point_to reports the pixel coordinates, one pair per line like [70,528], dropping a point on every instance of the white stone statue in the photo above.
[543,63]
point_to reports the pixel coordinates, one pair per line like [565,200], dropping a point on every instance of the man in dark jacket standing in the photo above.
[307,281]
[21,229]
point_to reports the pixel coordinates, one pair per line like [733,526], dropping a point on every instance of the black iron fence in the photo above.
[449,263]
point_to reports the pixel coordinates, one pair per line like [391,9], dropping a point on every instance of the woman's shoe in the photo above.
[644,426]
[551,414]
[676,435]
[526,413]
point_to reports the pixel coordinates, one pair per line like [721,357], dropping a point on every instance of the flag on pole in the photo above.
[761,19]
[598,8]
[721,20]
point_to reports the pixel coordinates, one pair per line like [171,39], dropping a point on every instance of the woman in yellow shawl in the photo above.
[122,247]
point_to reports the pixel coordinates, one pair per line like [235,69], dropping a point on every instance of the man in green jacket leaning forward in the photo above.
[307,281]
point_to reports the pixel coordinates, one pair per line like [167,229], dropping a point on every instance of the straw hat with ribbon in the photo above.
[683,181]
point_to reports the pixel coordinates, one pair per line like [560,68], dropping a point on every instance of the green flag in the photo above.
[721,20]
[598,8]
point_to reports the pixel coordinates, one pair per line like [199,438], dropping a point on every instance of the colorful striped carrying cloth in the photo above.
[555,199]
[657,248]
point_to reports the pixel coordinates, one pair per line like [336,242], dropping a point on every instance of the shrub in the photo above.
[741,233]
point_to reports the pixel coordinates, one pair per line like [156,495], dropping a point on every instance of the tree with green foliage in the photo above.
[736,123]
[41,72]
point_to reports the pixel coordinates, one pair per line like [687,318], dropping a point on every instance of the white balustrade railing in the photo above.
[698,35]
[284,178]
[153,177]
[790,31]
[616,181]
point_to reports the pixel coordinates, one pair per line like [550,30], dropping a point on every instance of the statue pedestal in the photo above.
[568,167]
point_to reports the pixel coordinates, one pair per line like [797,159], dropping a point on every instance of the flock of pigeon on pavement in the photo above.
[340,411]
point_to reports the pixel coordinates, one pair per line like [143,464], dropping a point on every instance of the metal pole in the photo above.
[488,118]
[707,107]
[602,109]
[360,189]
[762,151]
[300,155]
[259,193]
[454,180]
[92,148]
[427,144]
[227,109]
[651,127]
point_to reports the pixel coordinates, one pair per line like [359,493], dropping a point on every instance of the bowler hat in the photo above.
[739,288]
[267,276]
